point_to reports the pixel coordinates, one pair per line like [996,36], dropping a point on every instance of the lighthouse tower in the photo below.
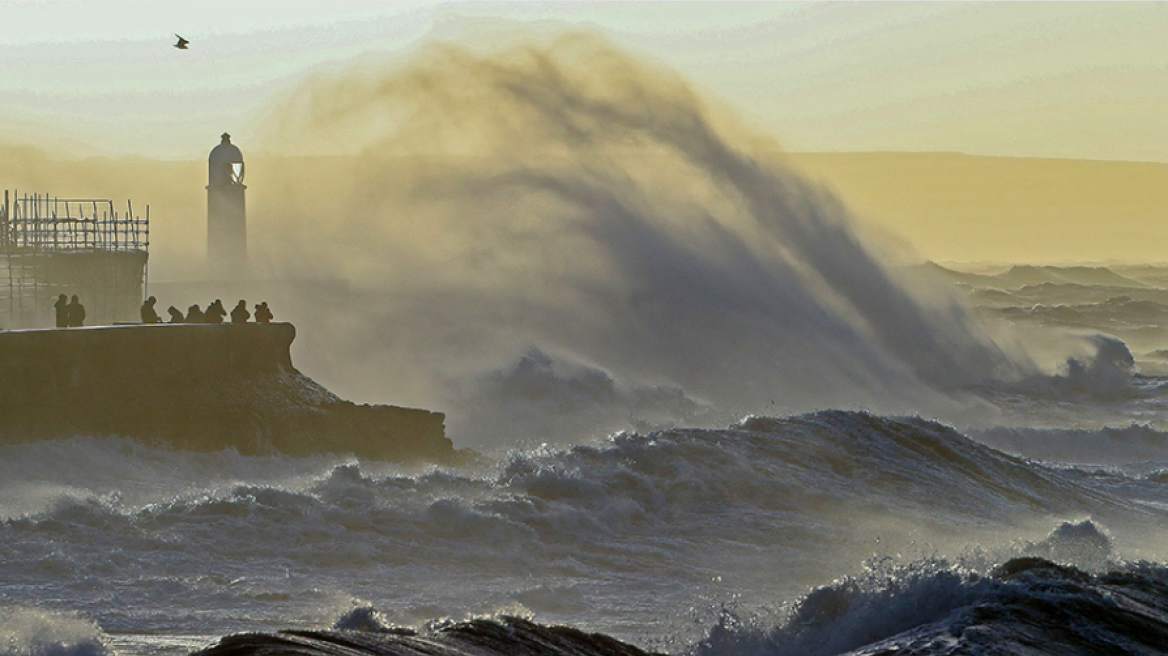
[226,211]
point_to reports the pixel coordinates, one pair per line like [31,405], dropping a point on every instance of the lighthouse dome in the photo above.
[225,163]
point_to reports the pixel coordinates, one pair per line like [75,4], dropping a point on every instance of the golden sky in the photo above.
[1051,79]
[1020,85]
[963,208]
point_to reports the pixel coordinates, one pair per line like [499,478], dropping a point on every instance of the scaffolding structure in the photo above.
[51,246]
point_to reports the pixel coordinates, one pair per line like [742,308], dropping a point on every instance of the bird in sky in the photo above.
[182,43]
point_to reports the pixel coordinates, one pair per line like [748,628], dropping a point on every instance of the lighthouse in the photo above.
[226,211]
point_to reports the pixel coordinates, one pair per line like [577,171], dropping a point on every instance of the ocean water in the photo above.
[809,534]
[714,417]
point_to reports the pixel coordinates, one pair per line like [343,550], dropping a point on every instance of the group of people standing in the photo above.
[215,313]
[70,313]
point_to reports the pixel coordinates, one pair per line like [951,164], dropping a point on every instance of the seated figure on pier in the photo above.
[215,312]
[175,315]
[149,315]
[262,313]
[195,315]
[240,314]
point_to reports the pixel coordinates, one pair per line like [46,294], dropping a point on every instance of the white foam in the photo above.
[31,631]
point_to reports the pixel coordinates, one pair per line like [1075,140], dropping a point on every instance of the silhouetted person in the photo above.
[262,313]
[75,313]
[195,315]
[240,314]
[149,315]
[215,312]
[175,315]
[62,306]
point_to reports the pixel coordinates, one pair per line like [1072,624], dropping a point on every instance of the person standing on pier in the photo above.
[75,313]
[240,314]
[62,306]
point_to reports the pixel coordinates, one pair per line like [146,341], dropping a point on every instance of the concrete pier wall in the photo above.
[196,386]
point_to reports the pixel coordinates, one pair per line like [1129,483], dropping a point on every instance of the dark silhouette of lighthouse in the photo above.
[226,211]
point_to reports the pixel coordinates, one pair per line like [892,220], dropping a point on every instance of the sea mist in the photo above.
[558,236]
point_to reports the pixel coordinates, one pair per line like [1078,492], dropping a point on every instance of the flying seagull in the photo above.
[182,43]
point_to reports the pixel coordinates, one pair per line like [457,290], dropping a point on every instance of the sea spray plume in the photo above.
[1107,373]
[1026,605]
[884,600]
[31,631]
[572,198]
[553,396]
[1081,544]
[1100,369]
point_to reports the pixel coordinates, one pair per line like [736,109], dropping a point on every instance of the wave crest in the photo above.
[30,631]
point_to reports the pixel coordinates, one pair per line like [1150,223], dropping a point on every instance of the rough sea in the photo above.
[817,533]
[726,425]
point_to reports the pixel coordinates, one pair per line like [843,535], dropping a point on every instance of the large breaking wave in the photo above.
[570,198]
[1027,605]
[643,537]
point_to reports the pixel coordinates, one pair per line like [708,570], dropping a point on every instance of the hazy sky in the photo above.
[1074,80]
